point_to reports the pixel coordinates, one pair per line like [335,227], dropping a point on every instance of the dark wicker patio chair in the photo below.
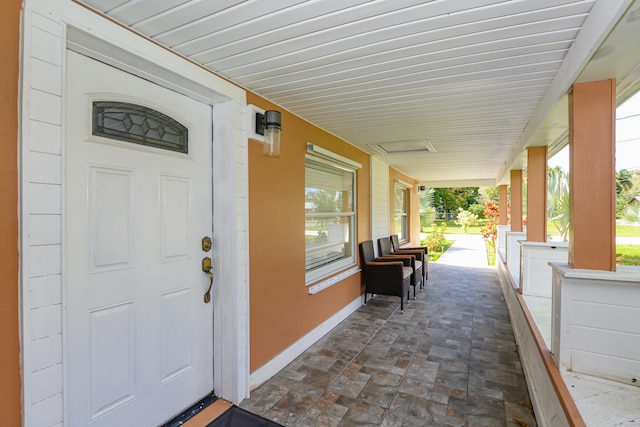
[385,275]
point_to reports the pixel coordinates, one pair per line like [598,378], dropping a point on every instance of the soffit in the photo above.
[474,77]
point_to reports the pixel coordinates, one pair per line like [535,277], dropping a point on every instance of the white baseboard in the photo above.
[276,364]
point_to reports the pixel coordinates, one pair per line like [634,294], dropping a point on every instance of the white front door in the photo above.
[138,334]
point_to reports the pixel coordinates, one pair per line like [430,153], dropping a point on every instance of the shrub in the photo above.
[466,219]
[436,238]
[490,230]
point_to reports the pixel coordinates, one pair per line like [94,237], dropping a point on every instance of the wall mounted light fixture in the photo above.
[265,127]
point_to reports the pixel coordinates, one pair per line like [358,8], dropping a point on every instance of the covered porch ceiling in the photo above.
[450,92]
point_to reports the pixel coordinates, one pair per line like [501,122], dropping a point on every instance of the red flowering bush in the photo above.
[490,230]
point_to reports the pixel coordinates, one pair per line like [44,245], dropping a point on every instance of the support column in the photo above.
[503,219]
[516,200]
[537,194]
[592,183]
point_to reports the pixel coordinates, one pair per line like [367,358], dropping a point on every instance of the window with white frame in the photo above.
[330,218]
[401,218]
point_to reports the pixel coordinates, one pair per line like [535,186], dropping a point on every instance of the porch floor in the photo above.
[449,360]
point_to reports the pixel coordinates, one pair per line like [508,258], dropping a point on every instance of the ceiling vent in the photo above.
[404,147]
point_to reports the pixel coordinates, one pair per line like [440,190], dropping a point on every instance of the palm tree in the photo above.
[427,211]
[558,204]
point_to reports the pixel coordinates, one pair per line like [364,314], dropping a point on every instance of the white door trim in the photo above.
[49,28]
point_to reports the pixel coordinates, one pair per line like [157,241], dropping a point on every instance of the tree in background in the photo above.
[558,203]
[627,187]
[477,209]
[488,194]
[448,200]
[631,213]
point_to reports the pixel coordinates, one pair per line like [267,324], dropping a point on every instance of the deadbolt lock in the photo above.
[206,264]
[206,243]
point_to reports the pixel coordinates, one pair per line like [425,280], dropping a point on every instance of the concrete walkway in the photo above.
[468,250]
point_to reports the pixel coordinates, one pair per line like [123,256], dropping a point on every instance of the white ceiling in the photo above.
[476,78]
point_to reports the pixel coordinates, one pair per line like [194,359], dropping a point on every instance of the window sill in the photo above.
[327,283]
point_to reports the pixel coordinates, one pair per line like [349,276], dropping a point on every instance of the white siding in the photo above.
[380,222]
[42,220]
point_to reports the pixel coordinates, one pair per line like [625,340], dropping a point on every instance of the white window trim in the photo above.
[324,156]
[399,184]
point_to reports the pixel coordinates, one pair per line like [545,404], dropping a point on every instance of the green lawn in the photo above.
[627,230]
[434,255]
[627,254]
[621,230]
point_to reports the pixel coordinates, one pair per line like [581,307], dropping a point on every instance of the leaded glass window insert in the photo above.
[139,125]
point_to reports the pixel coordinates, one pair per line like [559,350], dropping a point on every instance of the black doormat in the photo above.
[237,417]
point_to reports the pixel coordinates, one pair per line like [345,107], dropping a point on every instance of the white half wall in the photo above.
[502,239]
[535,269]
[512,250]
[595,328]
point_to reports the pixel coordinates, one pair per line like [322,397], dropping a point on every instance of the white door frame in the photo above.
[50,27]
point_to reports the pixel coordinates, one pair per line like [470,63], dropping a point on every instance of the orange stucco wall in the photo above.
[282,311]
[414,206]
[10,412]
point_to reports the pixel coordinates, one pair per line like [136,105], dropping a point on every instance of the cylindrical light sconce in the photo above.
[272,129]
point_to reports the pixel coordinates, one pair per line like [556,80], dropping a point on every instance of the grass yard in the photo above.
[453,228]
[627,230]
[434,255]
[626,254]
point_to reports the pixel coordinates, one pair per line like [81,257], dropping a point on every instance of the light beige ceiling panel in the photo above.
[358,39]
[182,16]
[134,11]
[474,77]
[233,26]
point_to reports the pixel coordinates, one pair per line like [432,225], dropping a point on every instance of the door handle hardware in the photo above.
[207,295]
[206,267]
